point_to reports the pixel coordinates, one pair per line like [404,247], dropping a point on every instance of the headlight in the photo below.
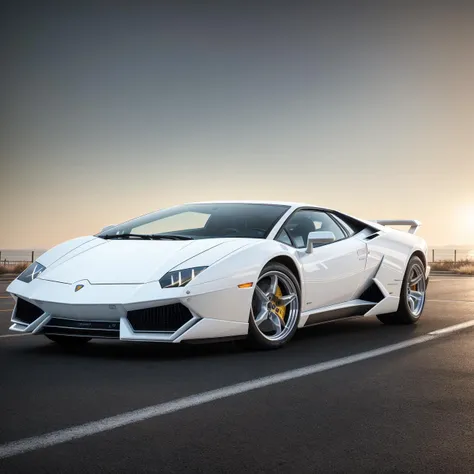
[31,272]
[179,278]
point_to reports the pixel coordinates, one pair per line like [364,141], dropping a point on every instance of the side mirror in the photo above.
[107,227]
[316,237]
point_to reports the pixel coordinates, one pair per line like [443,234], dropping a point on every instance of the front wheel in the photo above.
[412,296]
[275,309]
[69,341]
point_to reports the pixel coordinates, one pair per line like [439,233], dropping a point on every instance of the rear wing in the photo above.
[414,224]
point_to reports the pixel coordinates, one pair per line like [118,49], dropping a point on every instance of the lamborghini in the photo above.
[213,271]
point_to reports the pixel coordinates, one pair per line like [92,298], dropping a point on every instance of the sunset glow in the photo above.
[372,116]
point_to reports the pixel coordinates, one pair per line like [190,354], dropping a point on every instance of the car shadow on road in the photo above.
[357,333]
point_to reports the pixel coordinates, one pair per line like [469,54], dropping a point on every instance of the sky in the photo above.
[113,109]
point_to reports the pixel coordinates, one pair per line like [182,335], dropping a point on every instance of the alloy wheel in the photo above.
[275,305]
[416,290]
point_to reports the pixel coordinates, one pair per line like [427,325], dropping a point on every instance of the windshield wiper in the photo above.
[149,236]
[171,236]
[126,236]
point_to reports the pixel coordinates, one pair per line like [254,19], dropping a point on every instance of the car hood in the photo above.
[102,261]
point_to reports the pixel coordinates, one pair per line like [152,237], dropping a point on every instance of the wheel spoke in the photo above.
[260,294]
[275,317]
[262,316]
[416,279]
[411,302]
[285,300]
[417,296]
[276,323]
[273,285]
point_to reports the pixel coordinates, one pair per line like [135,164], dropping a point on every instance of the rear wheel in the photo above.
[69,341]
[275,309]
[412,296]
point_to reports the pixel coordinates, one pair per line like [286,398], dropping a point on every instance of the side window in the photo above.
[305,221]
[283,237]
[350,223]
[345,225]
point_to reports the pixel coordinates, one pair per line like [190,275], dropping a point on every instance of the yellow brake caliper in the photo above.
[280,311]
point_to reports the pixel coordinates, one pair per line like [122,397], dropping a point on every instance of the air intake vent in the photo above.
[27,312]
[372,293]
[167,318]
[71,327]
[372,236]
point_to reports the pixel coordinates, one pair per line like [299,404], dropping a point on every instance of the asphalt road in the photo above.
[410,410]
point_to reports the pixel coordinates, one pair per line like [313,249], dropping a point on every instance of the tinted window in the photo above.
[346,226]
[305,221]
[350,223]
[202,221]
[283,237]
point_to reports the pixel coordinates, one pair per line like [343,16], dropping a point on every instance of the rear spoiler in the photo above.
[414,224]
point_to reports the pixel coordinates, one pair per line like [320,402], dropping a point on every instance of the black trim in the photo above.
[84,324]
[338,313]
[83,328]
[81,333]
[213,340]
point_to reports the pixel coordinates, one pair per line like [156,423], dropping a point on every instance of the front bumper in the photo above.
[130,312]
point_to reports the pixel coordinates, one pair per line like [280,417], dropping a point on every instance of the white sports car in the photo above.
[218,270]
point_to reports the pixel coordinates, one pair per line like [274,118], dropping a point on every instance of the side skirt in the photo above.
[334,312]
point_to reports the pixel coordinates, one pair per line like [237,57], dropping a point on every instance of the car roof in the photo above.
[279,203]
[293,206]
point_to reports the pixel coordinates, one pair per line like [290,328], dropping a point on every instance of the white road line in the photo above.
[113,422]
[450,301]
[450,329]
[459,278]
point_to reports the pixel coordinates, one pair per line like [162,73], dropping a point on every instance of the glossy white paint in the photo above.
[120,276]
[137,261]
[332,273]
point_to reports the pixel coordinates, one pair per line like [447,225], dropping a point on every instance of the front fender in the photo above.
[242,266]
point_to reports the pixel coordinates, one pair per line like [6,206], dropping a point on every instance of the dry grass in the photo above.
[464,267]
[16,269]
[20,267]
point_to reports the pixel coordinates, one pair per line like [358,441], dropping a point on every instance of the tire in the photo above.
[409,312]
[264,334]
[69,341]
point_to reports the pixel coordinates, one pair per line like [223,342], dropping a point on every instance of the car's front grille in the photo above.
[27,312]
[73,327]
[167,318]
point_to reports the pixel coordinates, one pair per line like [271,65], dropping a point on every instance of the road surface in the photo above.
[408,407]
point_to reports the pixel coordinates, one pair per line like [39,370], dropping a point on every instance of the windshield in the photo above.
[203,221]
